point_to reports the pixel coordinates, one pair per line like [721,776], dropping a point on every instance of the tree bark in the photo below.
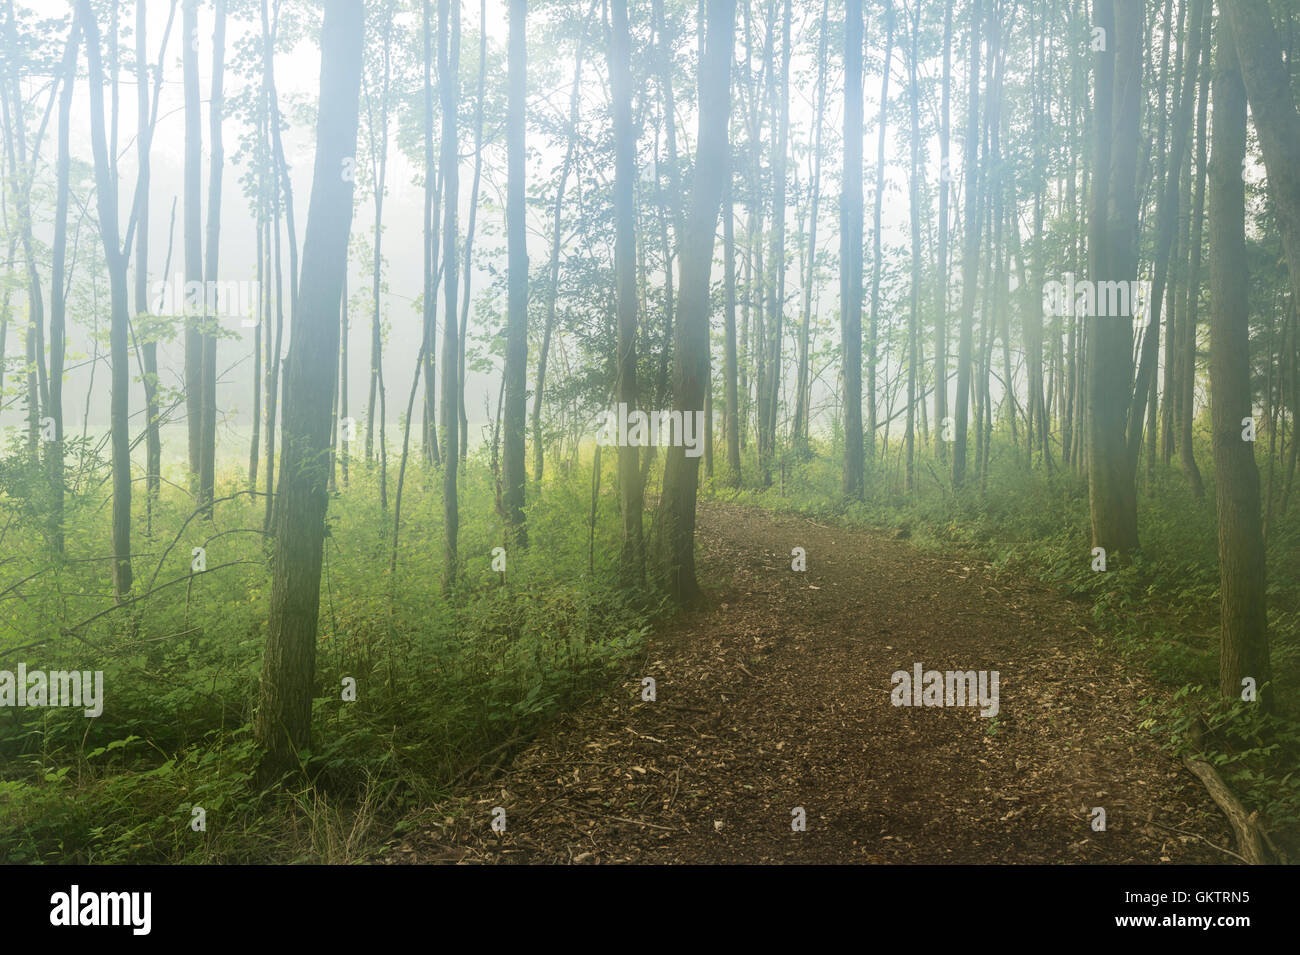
[1243,621]
[283,720]
[1112,245]
[193,229]
[513,462]
[216,111]
[448,81]
[691,342]
[632,555]
[851,252]
[116,258]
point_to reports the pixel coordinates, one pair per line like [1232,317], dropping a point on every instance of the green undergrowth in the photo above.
[444,682]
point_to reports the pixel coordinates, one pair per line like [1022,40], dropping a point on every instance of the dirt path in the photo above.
[776,695]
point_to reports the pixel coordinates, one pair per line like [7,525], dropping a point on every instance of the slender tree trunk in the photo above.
[1243,621]
[448,74]
[283,719]
[116,258]
[632,556]
[941,283]
[1273,107]
[149,348]
[729,363]
[515,423]
[552,295]
[58,303]
[914,318]
[216,111]
[1113,248]
[851,252]
[345,438]
[873,329]
[803,387]
[193,227]
[473,219]
[1166,221]
[430,298]
[691,344]
[776,283]
[1187,382]
[970,254]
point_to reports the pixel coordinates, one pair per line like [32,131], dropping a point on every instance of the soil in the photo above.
[774,695]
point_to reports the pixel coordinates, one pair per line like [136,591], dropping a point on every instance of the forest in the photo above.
[649,431]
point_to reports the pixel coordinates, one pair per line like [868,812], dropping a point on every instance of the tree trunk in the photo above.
[970,255]
[873,329]
[1272,106]
[1243,621]
[803,386]
[941,283]
[851,252]
[1113,250]
[58,303]
[448,80]
[913,321]
[473,219]
[691,343]
[632,555]
[283,720]
[552,295]
[515,422]
[1187,361]
[116,259]
[731,388]
[193,227]
[216,111]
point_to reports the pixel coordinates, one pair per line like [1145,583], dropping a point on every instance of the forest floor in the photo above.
[775,693]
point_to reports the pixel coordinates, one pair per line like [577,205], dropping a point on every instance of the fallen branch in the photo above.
[1250,836]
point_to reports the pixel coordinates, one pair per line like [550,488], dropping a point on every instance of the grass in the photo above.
[441,680]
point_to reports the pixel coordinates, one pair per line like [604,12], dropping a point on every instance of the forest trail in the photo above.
[776,694]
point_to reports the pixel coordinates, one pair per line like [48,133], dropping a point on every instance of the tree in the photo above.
[803,387]
[193,230]
[283,718]
[216,112]
[116,258]
[552,295]
[873,328]
[377,130]
[970,254]
[513,461]
[448,73]
[914,202]
[1273,107]
[429,437]
[58,301]
[632,554]
[941,251]
[851,251]
[1243,621]
[1112,243]
[691,339]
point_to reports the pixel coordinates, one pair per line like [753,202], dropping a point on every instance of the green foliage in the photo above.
[443,681]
